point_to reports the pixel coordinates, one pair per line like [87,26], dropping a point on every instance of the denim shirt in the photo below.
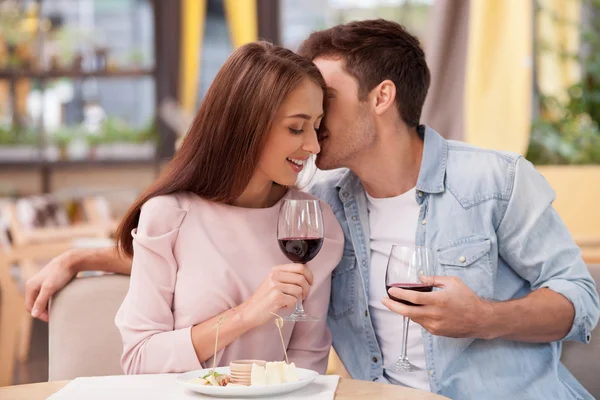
[488,216]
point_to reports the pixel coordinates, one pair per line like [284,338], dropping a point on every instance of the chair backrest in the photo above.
[83,338]
[583,360]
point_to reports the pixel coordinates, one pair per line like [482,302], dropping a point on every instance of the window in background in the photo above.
[216,46]
[300,18]
[76,82]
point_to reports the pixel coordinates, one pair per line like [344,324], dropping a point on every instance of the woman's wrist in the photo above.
[247,315]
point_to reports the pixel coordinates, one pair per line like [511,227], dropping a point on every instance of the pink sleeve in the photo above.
[310,343]
[151,344]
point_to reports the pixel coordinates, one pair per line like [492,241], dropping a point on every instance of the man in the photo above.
[512,284]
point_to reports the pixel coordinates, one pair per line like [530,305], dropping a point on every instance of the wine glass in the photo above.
[405,269]
[300,237]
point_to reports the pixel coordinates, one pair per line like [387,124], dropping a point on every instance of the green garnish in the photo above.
[214,374]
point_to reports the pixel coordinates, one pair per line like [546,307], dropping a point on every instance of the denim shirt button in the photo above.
[462,259]
[430,372]
[366,313]
[375,359]
[423,222]
[354,218]
[420,194]
[364,263]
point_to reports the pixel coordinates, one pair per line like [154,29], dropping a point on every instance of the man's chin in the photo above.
[323,164]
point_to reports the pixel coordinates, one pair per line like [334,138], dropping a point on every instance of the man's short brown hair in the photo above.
[373,51]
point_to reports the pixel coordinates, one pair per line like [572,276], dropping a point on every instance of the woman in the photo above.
[203,237]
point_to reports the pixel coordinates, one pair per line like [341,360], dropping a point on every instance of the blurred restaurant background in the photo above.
[96,94]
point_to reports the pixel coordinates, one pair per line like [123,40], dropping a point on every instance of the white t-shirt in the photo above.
[393,221]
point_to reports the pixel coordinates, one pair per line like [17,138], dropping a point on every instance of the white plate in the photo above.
[306,376]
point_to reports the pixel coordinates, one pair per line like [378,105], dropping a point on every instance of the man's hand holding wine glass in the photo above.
[455,311]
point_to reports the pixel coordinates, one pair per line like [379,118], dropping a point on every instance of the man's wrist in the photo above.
[495,320]
[72,261]
[489,321]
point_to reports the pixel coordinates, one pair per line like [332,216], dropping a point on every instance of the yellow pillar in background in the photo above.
[242,20]
[498,75]
[193,16]
[555,73]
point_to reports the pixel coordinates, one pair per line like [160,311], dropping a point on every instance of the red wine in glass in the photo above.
[300,250]
[300,237]
[407,267]
[417,287]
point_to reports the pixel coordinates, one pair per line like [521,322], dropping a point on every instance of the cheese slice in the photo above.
[290,373]
[258,375]
[274,373]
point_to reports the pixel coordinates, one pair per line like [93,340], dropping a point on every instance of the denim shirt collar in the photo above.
[433,165]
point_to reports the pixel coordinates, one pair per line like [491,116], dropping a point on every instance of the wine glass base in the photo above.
[403,366]
[300,317]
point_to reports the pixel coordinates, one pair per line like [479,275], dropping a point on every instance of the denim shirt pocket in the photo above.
[469,259]
[343,288]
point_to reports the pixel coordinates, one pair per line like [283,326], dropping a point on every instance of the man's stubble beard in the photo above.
[350,148]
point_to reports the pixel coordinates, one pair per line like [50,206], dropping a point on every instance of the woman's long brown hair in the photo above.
[222,148]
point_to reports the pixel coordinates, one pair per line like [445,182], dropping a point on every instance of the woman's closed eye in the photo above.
[296,131]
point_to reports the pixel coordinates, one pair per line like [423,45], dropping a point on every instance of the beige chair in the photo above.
[38,229]
[583,360]
[85,342]
[83,338]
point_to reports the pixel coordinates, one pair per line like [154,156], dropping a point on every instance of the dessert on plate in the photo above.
[251,373]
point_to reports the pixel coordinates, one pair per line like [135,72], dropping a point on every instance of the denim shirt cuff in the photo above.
[580,330]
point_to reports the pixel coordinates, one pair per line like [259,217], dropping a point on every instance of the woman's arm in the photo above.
[151,344]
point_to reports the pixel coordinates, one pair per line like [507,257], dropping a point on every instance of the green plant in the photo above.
[64,135]
[567,131]
[115,129]
[93,140]
[15,136]
[137,57]
[149,133]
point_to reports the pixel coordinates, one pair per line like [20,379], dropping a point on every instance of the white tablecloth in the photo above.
[164,386]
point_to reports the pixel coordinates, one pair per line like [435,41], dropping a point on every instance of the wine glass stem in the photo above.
[299,307]
[405,322]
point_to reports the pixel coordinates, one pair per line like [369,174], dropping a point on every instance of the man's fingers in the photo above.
[438,281]
[41,303]
[411,312]
[412,296]
[32,291]
[44,316]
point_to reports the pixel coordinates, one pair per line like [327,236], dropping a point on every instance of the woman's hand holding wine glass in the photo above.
[284,286]
[300,235]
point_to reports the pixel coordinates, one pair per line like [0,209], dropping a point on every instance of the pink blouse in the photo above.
[194,259]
